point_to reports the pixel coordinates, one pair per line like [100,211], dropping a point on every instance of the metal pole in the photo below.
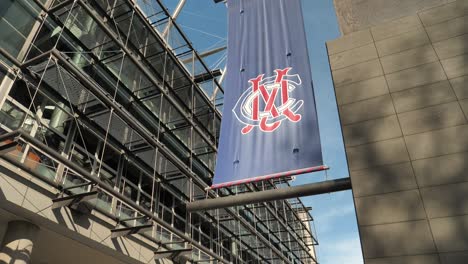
[10,58]
[178,9]
[271,195]
[223,75]
[206,54]
[174,17]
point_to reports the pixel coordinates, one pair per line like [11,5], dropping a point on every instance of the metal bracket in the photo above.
[74,200]
[172,254]
[126,231]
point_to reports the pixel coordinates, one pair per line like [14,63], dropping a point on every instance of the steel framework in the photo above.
[110,94]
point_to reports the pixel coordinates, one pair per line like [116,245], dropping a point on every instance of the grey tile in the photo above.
[452,47]
[439,142]
[10,189]
[391,240]
[454,257]
[409,58]
[353,56]
[361,90]
[402,42]
[417,76]
[423,96]
[396,27]
[376,154]
[371,131]
[456,66]
[367,109]
[383,179]
[446,200]
[444,13]
[460,85]
[349,41]
[39,202]
[146,254]
[389,208]
[449,29]
[100,231]
[441,170]
[356,15]
[450,233]
[358,72]
[130,247]
[431,118]
[464,106]
[421,259]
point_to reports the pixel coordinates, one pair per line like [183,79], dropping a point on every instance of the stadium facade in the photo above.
[109,125]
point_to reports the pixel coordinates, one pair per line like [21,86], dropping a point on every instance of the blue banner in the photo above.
[269,126]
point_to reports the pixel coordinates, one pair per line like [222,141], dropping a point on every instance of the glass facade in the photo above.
[115,87]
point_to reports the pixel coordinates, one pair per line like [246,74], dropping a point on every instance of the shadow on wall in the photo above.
[425,104]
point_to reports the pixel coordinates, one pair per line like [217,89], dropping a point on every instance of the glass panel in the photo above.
[103,202]
[16,21]
[72,179]
[41,164]
[11,115]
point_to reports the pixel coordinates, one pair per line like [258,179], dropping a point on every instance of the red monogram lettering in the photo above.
[270,117]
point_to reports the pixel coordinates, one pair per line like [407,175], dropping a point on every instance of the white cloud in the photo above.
[326,220]
[335,212]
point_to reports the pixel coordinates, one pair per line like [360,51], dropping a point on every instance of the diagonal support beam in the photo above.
[73,199]
[172,254]
[127,231]
[271,195]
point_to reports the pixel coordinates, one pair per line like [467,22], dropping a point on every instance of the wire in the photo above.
[204,32]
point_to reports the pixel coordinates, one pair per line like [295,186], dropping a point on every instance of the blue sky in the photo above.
[205,23]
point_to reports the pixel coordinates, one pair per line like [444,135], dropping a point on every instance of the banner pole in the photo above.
[271,195]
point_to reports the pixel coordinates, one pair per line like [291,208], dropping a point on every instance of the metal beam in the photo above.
[178,9]
[207,76]
[212,51]
[8,56]
[205,54]
[173,17]
[271,195]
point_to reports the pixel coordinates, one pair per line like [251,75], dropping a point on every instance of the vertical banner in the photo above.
[269,127]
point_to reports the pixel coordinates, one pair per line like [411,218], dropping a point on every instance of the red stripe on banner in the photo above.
[269,177]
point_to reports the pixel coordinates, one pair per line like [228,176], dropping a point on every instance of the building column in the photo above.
[18,242]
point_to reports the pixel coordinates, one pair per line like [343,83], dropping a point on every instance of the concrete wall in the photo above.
[402,91]
[355,15]
[28,198]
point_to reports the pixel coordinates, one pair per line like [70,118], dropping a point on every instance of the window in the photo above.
[16,21]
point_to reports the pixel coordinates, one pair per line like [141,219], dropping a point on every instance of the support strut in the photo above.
[271,195]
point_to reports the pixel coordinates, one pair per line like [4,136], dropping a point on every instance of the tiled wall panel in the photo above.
[402,91]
